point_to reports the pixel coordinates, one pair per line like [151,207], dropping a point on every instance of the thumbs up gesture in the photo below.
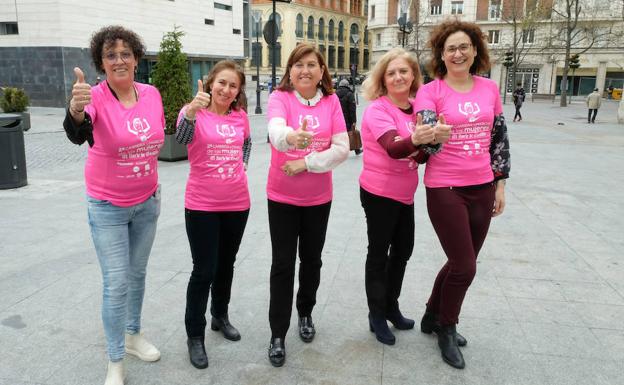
[81,93]
[300,138]
[201,100]
[442,130]
[423,133]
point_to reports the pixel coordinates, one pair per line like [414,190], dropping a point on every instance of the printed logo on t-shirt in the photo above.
[313,122]
[470,110]
[410,126]
[139,128]
[226,130]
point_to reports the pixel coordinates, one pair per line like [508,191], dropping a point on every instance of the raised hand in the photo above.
[300,138]
[423,133]
[442,130]
[81,93]
[201,100]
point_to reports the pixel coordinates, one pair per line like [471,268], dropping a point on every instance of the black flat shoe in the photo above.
[277,352]
[429,324]
[197,352]
[223,324]
[306,329]
[447,341]
[379,326]
[400,322]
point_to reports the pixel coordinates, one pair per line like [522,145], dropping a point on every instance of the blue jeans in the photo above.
[123,238]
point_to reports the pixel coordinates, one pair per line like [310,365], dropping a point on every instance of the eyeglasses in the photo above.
[111,57]
[463,48]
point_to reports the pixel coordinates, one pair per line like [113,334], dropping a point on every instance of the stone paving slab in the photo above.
[545,308]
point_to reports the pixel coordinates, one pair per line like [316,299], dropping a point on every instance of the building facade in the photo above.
[533,27]
[42,41]
[337,27]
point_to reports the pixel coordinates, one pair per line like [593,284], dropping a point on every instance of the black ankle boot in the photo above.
[277,352]
[197,352]
[447,341]
[399,321]
[379,326]
[429,324]
[306,329]
[228,330]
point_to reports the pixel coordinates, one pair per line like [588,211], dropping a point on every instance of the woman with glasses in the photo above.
[215,128]
[123,122]
[465,180]
[308,139]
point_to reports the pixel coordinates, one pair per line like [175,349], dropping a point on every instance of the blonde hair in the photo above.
[374,87]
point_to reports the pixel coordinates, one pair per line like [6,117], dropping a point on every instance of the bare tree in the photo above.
[574,27]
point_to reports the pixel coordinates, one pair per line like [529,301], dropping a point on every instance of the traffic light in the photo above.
[508,61]
[574,61]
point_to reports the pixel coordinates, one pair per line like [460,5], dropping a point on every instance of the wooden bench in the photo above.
[550,97]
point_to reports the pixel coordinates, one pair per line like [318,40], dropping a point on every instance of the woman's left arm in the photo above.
[500,162]
[330,158]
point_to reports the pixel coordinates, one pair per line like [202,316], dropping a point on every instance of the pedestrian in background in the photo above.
[215,128]
[518,98]
[348,105]
[308,140]
[465,180]
[123,121]
[392,136]
[593,104]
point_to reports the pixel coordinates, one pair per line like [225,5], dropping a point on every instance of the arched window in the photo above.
[299,27]
[330,32]
[321,29]
[340,32]
[366,35]
[354,32]
[310,27]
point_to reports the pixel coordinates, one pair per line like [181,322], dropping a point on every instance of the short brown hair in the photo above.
[300,51]
[438,37]
[107,36]
[240,101]
[374,87]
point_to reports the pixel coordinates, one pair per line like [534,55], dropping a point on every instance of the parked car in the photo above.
[266,85]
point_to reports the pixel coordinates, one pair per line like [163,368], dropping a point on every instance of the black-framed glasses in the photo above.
[463,48]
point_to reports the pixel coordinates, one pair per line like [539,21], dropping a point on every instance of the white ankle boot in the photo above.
[115,374]
[140,347]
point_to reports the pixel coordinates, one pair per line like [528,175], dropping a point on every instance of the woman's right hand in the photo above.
[201,100]
[81,94]
[423,133]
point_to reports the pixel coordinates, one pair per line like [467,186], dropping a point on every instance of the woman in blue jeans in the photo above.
[123,122]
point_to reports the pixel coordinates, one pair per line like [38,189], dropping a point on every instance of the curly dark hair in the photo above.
[299,52]
[438,36]
[107,36]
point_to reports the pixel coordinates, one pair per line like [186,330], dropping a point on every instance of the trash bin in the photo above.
[12,152]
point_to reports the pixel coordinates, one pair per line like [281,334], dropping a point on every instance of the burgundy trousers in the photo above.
[461,218]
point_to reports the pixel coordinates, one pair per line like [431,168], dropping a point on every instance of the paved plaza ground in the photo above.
[546,307]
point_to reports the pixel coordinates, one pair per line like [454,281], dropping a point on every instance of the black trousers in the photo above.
[390,230]
[591,118]
[214,238]
[518,115]
[291,225]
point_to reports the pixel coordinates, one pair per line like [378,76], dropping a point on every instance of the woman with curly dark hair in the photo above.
[465,178]
[123,122]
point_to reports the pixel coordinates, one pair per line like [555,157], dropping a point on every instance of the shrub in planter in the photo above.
[15,100]
[171,77]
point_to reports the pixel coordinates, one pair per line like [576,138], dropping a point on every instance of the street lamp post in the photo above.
[256,17]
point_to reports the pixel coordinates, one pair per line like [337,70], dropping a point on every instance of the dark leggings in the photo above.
[517,115]
[214,238]
[461,218]
[289,225]
[390,230]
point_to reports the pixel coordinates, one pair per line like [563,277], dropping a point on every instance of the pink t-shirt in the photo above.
[382,175]
[465,158]
[217,179]
[325,119]
[122,166]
